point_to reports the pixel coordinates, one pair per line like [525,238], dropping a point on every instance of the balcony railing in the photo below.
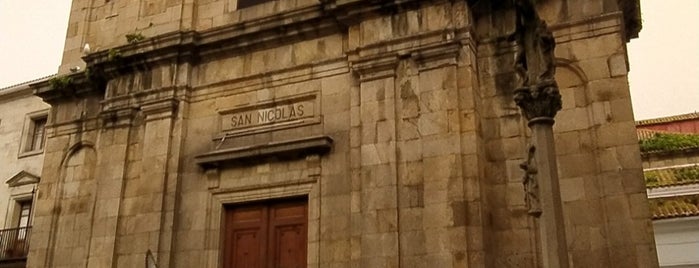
[14,243]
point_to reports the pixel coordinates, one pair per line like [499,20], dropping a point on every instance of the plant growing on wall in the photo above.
[113,54]
[134,38]
[60,83]
[669,142]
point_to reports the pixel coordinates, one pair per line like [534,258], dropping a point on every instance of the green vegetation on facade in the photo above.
[673,176]
[61,82]
[113,54]
[134,38]
[669,142]
[676,201]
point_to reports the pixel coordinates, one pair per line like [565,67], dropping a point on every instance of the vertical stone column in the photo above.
[539,98]
[544,195]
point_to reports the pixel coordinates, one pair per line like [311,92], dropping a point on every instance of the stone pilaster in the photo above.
[112,173]
[146,220]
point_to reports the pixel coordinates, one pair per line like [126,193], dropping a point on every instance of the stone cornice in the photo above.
[317,144]
[376,67]
[240,37]
[349,12]
[140,55]
[326,18]
[118,117]
[73,126]
[632,17]
[429,50]
[267,31]
[76,85]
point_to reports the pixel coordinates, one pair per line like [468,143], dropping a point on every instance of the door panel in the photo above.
[266,235]
[289,247]
[246,248]
[246,232]
[288,225]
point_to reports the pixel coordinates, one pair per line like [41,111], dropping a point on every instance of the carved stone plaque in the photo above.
[266,114]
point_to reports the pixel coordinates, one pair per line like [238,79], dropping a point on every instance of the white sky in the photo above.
[32,33]
[664,60]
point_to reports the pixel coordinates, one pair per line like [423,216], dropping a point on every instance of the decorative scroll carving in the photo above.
[531,185]
[537,91]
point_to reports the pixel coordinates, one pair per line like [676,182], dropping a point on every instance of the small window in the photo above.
[34,136]
[25,209]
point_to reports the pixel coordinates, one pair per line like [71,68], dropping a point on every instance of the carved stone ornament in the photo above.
[542,101]
[531,185]
[537,91]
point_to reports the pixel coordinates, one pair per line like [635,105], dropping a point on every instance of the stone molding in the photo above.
[159,109]
[141,97]
[429,50]
[240,37]
[588,27]
[73,126]
[213,159]
[437,56]
[297,74]
[562,32]
[81,84]
[373,68]
[265,191]
[231,196]
[22,178]
[118,117]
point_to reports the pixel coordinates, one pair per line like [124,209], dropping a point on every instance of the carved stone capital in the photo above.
[540,102]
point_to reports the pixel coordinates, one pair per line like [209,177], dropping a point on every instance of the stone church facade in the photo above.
[243,133]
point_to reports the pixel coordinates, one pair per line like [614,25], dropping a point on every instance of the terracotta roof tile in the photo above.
[681,117]
[644,134]
[674,207]
[671,176]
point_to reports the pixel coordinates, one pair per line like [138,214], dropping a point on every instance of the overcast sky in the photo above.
[664,61]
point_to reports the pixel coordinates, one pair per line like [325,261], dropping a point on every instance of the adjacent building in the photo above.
[670,152]
[302,133]
[23,118]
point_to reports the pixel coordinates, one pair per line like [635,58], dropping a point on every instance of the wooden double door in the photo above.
[270,234]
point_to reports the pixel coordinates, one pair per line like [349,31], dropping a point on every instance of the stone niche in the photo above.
[392,122]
